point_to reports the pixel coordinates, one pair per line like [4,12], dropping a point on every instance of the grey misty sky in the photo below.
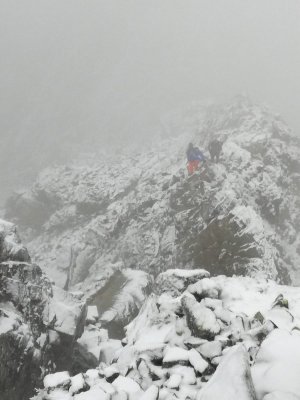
[92,69]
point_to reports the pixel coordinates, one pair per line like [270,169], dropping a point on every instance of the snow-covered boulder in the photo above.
[175,356]
[204,288]
[277,365]
[66,313]
[198,363]
[175,281]
[211,349]
[200,319]
[77,384]
[232,379]
[59,379]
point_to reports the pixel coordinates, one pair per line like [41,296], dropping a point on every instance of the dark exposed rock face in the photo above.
[20,371]
[38,322]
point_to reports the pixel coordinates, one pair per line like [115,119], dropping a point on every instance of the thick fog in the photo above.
[81,75]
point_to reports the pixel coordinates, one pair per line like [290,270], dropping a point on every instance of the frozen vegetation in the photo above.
[144,283]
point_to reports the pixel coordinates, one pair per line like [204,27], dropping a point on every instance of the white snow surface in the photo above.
[277,366]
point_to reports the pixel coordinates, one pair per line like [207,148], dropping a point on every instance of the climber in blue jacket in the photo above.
[194,157]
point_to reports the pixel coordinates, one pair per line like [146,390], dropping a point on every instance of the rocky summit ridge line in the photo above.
[240,216]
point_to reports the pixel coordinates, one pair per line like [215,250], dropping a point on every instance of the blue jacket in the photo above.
[194,154]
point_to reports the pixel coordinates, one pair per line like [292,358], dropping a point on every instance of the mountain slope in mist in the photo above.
[239,216]
[201,317]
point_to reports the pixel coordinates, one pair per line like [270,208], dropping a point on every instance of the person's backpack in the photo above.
[198,154]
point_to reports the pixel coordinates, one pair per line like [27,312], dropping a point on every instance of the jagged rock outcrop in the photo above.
[240,216]
[11,247]
[38,322]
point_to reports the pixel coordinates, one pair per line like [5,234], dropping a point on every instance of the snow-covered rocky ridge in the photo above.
[225,338]
[240,216]
[189,257]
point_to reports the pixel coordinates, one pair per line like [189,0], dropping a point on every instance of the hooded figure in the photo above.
[194,157]
[215,148]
